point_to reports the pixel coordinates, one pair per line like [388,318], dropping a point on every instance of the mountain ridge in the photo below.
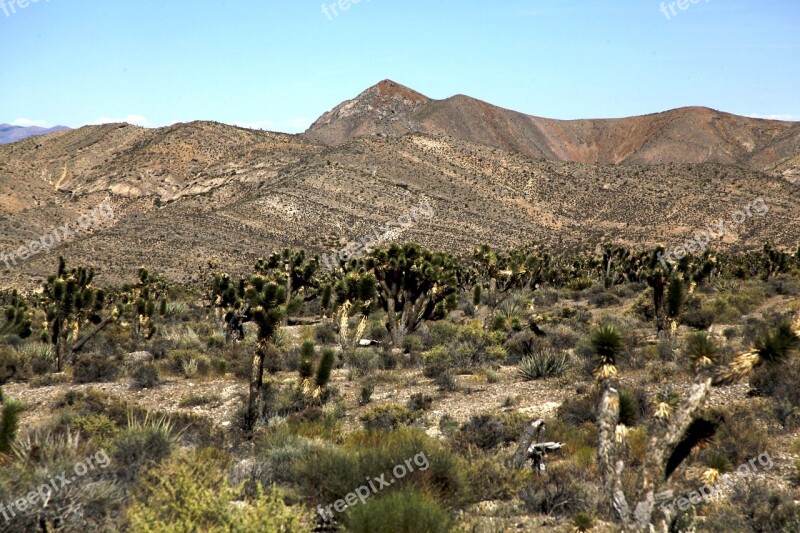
[693,134]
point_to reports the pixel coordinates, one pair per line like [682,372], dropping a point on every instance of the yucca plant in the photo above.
[582,522]
[607,345]
[702,350]
[544,363]
[9,425]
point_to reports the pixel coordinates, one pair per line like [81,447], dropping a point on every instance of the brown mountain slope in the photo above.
[235,195]
[686,135]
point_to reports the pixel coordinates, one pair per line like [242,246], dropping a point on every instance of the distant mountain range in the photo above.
[11,134]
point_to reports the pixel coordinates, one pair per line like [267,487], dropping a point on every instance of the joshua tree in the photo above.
[70,303]
[675,422]
[313,386]
[265,303]
[414,285]
[227,297]
[352,295]
[17,317]
[295,271]
[138,301]
[523,268]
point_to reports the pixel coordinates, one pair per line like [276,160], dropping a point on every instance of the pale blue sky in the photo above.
[278,64]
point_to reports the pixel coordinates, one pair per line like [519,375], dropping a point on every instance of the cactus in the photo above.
[17,317]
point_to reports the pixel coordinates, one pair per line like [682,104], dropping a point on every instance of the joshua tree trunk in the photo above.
[254,404]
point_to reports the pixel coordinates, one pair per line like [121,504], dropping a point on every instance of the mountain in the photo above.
[393,165]
[685,135]
[12,134]
[200,193]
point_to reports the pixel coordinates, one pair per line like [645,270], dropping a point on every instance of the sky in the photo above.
[279,64]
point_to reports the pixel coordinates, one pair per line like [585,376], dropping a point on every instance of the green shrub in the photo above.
[489,431]
[362,361]
[329,473]
[143,443]
[95,368]
[145,376]
[191,493]
[399,512]
[12,365]
[546,363]
[387,417]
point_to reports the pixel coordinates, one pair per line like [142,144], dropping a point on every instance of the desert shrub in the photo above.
[362,361]
[191,493]
[698,318]
[399,512]
[446,381]
[325,333]
[145,376]
[491,479]
[489,431]
[472,350]
[643,307]
[604,299]
[419,402]
[197,400]
[413,343]
[439,333]
[562,490]
[387,417]
[728,307]
[755,505]
[45,454]
[39,357]
[785,285]
[562,337]
[329,473]
[98,427]
[545,363]
[95,368]
[365,394]
[579,408]
[521,344]
[742,434]
[579,284]
[12,365]
[145,442]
